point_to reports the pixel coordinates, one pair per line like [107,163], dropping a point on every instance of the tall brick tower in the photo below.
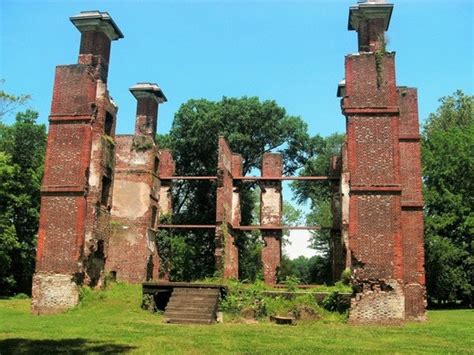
[78,177]
[383,171]
[132,254]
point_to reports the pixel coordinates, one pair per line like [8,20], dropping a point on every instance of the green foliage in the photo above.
[332,303]
[252,128]
[242,296]
[315,270]
[448,165]
[163,141]
[22,149]
[9,102]
[291,216]
[142,143]
[282,306]
[320,150]
[346,276]
[447,279]
[292,283]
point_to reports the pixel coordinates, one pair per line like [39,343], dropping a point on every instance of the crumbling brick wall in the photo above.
[378,203]
[271,209]
[227,205]
[75,194]
[132,252]
[385,234]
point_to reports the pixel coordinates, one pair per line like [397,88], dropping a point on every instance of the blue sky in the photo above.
[289,51]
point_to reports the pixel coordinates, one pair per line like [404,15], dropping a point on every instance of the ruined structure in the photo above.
[381,178]
[103,196]
[132,255]
[78,176]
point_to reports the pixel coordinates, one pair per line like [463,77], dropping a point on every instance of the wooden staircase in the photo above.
[192,305]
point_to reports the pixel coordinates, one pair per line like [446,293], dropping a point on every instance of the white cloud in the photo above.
[299,244]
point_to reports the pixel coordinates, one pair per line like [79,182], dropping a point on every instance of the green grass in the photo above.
[112,322]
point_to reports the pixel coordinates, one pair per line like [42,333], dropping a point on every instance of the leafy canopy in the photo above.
[22,149]
[448,170]
[252,127]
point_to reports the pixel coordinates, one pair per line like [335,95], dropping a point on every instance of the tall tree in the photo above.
[22,149]
[252,128]
[448,170]
[319,196]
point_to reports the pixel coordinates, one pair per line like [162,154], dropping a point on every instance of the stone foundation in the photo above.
[378,302]
[53,293]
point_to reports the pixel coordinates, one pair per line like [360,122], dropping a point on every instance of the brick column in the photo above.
[370,19]
[370,104]
[98,29]
[226,252]
[337,242]
[76,190]
[412,205]
[166,168]
[132,251]
[270,215]
[231,265]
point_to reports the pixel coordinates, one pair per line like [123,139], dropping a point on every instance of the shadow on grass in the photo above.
[68,346]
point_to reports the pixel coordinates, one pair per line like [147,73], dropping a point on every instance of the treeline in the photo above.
[22,150]
[252,128]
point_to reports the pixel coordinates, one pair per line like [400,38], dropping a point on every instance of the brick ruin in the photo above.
[103,194]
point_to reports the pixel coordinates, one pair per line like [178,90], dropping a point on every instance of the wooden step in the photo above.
[192,306]
[175,315]
[196,291]
[195,298]
[188,321]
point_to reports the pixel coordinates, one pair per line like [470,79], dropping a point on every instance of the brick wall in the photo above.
[227,204]
[364,75]
[132,244]
[271,208]
[74,216]
[412,205]
[385,232]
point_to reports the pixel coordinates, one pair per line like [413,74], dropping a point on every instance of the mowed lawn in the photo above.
[112,322]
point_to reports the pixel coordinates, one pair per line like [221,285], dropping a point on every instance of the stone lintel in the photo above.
[148,90]
[368,10]
[97,21]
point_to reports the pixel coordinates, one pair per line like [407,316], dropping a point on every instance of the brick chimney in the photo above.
[149,96]
[98,29]
[370,19]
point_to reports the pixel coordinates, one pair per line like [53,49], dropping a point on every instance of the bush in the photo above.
[333,303]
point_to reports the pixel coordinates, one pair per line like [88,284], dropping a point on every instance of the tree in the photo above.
[321,149]
[9,102]
[252,128]
[314,270]
[22,149]
[8,239]
[448,166]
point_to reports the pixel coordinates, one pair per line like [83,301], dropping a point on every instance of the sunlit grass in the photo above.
[112,322]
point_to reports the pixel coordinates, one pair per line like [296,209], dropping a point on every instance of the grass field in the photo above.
[112,322]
